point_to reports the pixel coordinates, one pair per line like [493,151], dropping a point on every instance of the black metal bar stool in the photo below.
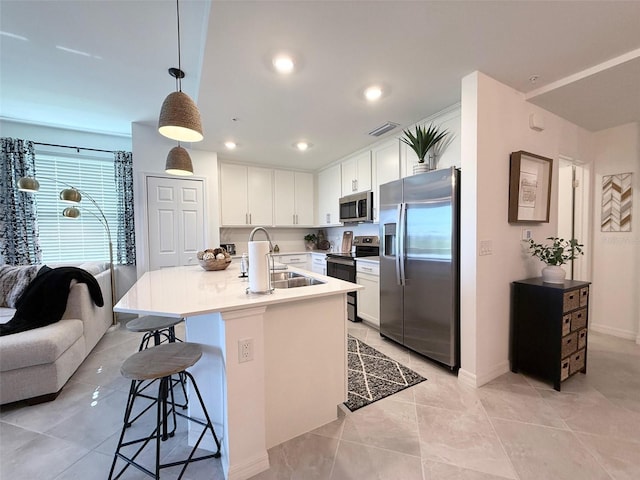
[160,363]
[161,330]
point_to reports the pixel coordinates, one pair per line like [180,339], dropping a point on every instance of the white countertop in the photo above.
[190,290]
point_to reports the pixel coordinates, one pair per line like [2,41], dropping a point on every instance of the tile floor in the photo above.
[515,427]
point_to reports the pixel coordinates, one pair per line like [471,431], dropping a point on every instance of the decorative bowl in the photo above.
[215,264]
[210,259]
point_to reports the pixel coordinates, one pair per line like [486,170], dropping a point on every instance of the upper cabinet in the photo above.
[329,196]
[386,168]
[356,174]
[293,198]
[246,195]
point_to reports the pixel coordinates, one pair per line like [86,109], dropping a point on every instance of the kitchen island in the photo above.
[274,366]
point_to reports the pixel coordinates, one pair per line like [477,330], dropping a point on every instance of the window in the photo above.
[76,239]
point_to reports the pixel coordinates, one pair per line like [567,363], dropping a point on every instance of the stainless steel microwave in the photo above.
[357,207]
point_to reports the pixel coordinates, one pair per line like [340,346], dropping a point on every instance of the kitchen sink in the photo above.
[278,276]
[292,280]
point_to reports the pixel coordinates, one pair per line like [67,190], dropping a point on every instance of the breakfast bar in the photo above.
[274,365]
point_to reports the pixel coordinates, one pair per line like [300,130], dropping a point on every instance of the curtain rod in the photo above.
[74,148]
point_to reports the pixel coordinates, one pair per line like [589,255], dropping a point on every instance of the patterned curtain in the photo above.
[19,243]
[126,237]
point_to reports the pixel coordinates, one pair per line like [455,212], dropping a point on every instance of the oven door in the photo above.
[345,269]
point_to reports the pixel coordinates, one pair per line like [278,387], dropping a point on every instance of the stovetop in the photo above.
[363,246]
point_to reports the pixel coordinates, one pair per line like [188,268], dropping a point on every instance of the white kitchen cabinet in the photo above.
[246,195]
[319,263]
[386,168]
[293,198]
[368,275]
[300,260]
[328,208]
[356,173]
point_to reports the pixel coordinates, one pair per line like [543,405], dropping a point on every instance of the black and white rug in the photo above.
[374,376]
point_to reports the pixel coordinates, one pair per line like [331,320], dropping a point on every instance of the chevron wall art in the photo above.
[616,203]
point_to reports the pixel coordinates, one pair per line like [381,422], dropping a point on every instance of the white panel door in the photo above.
[175,221]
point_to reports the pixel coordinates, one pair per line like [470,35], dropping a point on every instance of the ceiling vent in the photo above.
[382,129]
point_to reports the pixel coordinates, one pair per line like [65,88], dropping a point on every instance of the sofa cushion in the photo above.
[13,281]
[38,346]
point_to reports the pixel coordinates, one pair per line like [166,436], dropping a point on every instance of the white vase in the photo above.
[553,274]
[420,168]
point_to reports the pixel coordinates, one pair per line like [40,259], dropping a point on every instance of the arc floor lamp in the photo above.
[74,195]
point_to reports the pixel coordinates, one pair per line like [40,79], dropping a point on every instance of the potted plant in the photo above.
[421,141]
[559,252]
[310,241]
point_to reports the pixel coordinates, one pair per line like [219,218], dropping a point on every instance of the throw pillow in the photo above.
[13,281]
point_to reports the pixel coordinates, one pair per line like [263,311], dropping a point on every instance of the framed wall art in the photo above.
[616,203]
[529,188]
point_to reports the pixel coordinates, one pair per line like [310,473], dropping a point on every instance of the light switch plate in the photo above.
[526,234]
[486,247]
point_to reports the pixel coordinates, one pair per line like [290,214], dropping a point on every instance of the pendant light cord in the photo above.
[178,80]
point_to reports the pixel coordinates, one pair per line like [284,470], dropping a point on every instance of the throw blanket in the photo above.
[45,299]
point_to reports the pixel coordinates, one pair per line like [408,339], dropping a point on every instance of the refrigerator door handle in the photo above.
[397,245]
[401,242]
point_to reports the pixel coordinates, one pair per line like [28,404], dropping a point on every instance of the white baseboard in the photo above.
[473,380]
[616,332]
[249,468]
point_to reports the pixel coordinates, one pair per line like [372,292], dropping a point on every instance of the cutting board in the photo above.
[347,239]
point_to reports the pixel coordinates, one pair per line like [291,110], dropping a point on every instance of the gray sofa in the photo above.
[35,365]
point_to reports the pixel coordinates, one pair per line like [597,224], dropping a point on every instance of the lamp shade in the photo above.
[178,162]
[70,195]
[71,212]
[28,184]
[180,118]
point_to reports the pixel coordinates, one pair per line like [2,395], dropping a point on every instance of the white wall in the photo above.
[150,151]
[495,122]
[616,255]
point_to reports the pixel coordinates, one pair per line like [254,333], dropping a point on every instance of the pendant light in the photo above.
[178,162]
[179,115]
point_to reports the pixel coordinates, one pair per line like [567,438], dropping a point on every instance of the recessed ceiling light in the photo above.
[302,145]
[283,64]
[373,93]
[230,145]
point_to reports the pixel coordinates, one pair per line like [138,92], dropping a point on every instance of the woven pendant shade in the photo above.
[178,162]
[70,195]
[180,118]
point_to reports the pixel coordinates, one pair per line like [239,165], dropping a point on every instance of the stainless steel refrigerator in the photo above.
[419,264]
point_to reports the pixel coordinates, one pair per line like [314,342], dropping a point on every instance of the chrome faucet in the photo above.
[253,232]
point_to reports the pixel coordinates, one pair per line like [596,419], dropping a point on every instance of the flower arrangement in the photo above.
[558,253]
[311,241]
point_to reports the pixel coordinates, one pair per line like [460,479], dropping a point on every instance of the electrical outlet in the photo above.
[245,350]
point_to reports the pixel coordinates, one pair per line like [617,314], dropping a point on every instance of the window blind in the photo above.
[84,238]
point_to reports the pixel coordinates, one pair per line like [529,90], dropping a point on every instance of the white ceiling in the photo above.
[586,56]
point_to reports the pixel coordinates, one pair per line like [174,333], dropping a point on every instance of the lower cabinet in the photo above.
[368,275]
[319,263]
[299,260]
[549,329]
